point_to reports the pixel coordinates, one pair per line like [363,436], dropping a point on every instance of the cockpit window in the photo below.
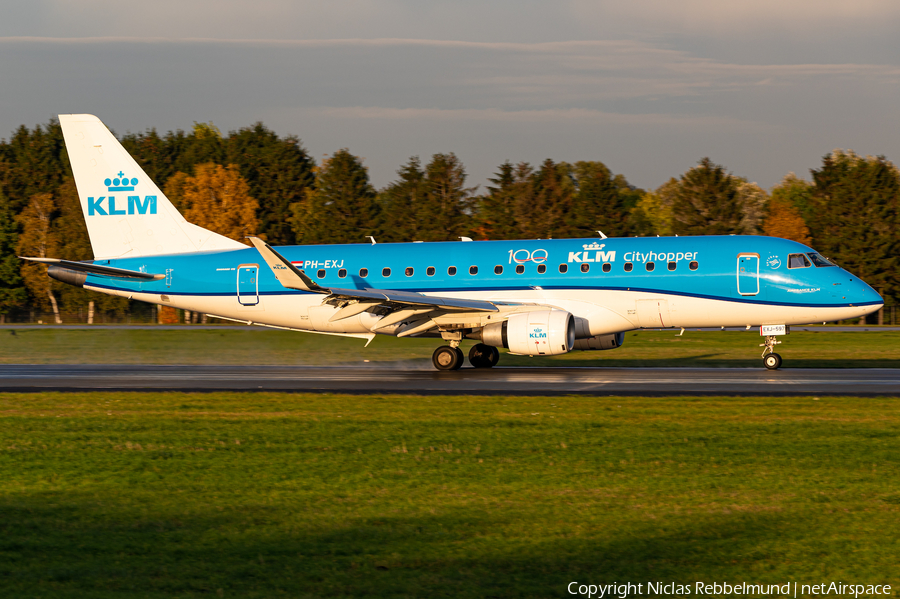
[798,261]
[819,259]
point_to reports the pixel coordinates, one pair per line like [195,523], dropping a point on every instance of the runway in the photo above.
[511,381]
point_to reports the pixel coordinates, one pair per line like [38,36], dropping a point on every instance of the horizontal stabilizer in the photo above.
[97,269]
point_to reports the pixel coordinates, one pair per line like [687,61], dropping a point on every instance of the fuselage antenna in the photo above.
[602,236]
[372,238]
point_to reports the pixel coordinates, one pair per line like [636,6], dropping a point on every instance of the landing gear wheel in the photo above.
[495,356]
[483,356]
[772,361]
[447,358]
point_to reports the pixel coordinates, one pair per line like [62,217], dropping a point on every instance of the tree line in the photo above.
[253,181]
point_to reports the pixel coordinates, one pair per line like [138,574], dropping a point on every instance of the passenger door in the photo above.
[248,284]
[748,274]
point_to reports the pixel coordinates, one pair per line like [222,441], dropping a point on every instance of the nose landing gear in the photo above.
[771,360]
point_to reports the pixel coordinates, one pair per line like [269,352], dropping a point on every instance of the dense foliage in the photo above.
[252,181]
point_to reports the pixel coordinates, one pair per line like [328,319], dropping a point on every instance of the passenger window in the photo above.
[342,273]
[451,271]
[429,271]
[409,271]
[628,266]
[563,268]
[473,270]
[650,266]
[385,272]
[498,270]
[607,267]
[321,273]
[693,265]
[585,267]
[520,269]
[672,265]
[364,272]
[542,268]
[798,261]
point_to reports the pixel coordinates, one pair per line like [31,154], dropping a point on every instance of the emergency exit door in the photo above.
[248,284]
[748,274]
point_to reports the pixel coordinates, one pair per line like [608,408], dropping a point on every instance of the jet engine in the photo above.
[601,342]
[538,333]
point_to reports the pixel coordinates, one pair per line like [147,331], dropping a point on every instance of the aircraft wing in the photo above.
[97,269]
[292,277]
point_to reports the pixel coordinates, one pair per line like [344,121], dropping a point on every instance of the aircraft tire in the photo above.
[495,356]
[772,361]
[482,356]
[447,358]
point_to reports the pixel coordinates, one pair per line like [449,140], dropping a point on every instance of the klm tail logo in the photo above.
[135,205]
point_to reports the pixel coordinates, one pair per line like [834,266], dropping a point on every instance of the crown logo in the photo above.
[594,246]
[120,183]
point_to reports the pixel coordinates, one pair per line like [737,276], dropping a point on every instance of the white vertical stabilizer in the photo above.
[126,213]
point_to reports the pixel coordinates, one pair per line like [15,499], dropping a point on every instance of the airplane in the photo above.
[541,297]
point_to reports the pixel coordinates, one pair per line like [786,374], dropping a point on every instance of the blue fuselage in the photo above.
[738,269]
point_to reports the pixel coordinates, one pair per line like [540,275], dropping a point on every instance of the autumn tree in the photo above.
[279,172]
[784,218]
[342,207]
[706,201]
[400,203]
[604,202]
[12,290]
[445,212]
[547,214]
[217,198]
[753,201]
[74,243]
[798,193]
[656,207]
[33,161]
[38,240]
[496,210]
[856,217]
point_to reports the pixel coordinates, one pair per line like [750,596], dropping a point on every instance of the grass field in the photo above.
[267,346]
[268,495]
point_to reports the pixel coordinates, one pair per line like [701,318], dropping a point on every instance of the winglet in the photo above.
[287,274]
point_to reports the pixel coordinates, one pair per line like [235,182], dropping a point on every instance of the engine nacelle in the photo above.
[538,333]
[601,342]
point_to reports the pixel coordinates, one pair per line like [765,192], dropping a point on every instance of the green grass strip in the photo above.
[265,495]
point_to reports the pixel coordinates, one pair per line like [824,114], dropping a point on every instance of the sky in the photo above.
[649,87]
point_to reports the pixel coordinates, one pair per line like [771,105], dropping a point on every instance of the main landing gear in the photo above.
[771,360]
[483,356]
[448,357]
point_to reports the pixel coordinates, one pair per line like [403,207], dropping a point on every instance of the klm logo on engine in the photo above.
[537,333]
[106,205]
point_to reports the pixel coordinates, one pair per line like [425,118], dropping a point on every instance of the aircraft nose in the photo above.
[871,297]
